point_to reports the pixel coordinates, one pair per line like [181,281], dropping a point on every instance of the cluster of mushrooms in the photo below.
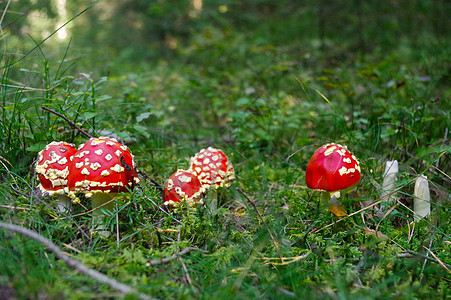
[103,167]
[100,169]
[209,168]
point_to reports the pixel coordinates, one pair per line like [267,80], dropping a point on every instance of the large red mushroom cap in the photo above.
[183,186]
[102,165]
[213,168]
[332,168]
[53,167]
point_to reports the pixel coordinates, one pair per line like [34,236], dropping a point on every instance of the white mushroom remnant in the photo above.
[388,194]
[422,198]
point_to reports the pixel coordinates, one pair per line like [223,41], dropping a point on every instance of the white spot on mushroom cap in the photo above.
[170,184]
[85,171]
[179,191]
[108,157]
[59,182]
[95,166]
[184,178]
[63,161]
[95,142]
[54,157]
[98,152]
[330,150]
[342,151]
[81,154]
[117,168]
[343,171]
[105,173]
[118,153]
[79,165]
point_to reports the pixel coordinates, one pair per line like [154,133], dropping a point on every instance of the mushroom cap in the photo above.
[183,185]
[102,165]
[53,166]
[213,168]
[332,168]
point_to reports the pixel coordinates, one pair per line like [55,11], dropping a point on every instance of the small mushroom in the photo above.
[52,169]
[101,169]
[422,198]
[332,169]
[183,186]
[389,182]
[213,168]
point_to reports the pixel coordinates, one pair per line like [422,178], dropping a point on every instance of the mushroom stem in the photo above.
[101,203]
[331,200]
[63,204]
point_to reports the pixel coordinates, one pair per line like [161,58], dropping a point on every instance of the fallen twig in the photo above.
[71,123]
[177,255]
[413,254]
[437,259]
[288,260]
[15,207]
[73,263]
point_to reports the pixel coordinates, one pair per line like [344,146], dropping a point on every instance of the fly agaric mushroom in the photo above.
[332,169]
[53,169]
[213,168]
[101,169]
[183,186]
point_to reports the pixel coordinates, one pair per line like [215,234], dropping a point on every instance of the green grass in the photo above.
[260,101]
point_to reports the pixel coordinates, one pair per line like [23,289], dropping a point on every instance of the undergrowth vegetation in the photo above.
[268,103]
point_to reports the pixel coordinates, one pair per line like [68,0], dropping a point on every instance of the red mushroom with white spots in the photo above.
[52,169]
[332,169]
[101,169]
[213,168]
[183,186]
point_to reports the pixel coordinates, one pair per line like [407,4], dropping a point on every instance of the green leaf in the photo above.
[89,114]
[143,116]
[36,147]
